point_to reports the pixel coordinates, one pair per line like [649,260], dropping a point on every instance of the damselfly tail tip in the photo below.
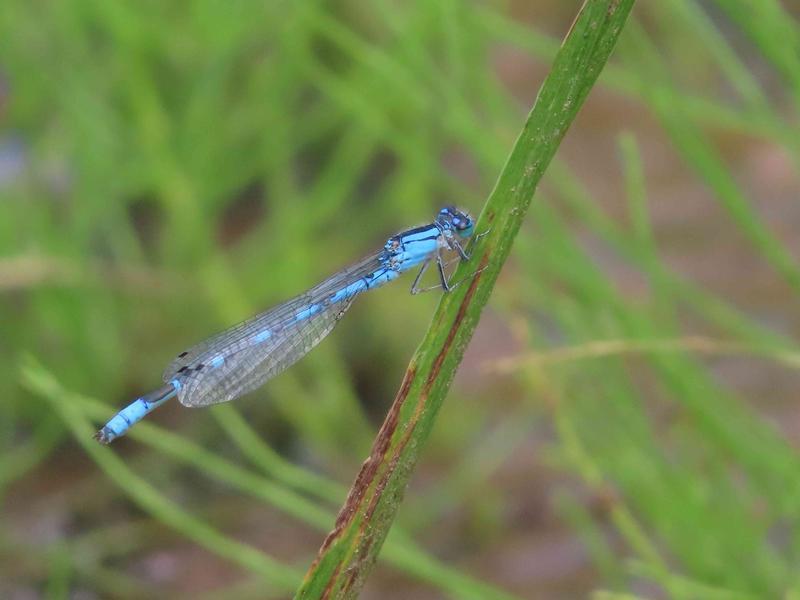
[104,436]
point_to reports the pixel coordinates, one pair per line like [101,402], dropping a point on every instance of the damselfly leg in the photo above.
[444,281]
[466,253]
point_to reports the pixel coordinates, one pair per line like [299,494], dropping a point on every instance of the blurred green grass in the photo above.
[170,169]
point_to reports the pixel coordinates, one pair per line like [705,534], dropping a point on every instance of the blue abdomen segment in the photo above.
[367,282]
[135,412]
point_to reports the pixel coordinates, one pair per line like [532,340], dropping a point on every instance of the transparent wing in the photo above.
[249,368]
[231,340]
[245,356]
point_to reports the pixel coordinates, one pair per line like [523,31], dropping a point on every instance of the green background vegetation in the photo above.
[167,169]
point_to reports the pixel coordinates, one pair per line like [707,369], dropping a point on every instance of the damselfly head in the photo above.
[456,220]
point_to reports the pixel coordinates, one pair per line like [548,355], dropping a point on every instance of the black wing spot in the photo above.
[182,369]
[199,366]
[182,354]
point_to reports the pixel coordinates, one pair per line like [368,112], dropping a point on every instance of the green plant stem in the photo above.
[350,550]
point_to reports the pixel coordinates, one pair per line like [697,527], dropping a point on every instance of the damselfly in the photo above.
[247,355]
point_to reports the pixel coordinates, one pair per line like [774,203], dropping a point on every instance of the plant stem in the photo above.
[350,550]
